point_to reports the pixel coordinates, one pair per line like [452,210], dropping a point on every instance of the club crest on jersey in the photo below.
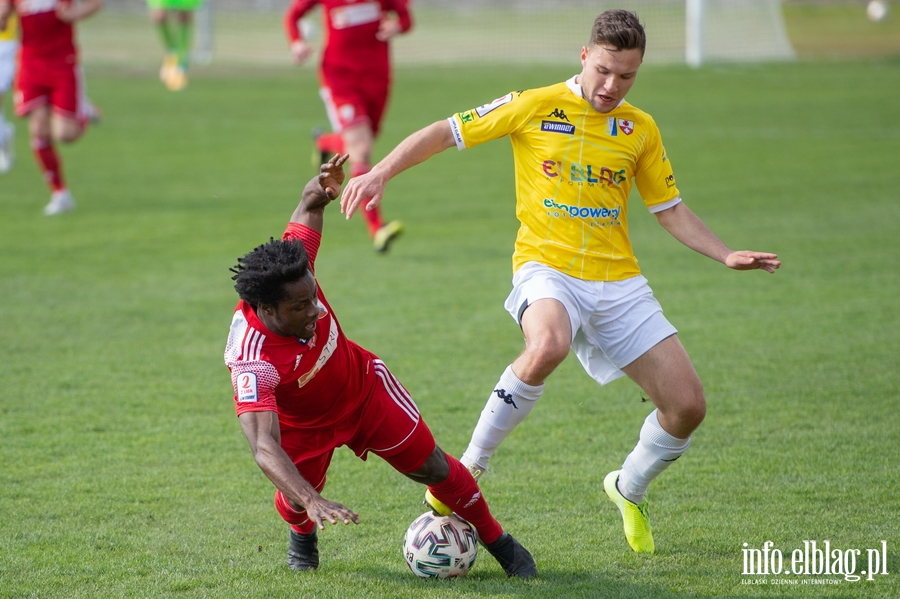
[626,127]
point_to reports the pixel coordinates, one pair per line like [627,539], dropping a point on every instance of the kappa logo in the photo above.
[506,397]
[559,114]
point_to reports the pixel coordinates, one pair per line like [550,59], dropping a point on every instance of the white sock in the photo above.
[655,451]
[510,402]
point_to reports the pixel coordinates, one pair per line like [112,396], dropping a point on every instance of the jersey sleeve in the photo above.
[654,177]
[311,240]
[404,16]
[493,120]
[254,383]
[292,15]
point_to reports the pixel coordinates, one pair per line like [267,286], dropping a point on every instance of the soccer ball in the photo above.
[877,10]
[440,546]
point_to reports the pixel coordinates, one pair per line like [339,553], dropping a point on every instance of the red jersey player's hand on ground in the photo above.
[321,510]
[366,189]
[388,28]
[747,260]
[300,51]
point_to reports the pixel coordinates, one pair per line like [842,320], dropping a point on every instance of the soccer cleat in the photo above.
[177,79]
[513,558]
[7,154]
[169,63]
[442,509]
[636,516]
[386,234]
[303,551]
[61,201]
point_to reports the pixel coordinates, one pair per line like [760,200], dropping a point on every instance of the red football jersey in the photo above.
[44,35]
[350,28]
[310,385]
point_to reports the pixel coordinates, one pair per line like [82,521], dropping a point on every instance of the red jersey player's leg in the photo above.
[355,109]
[52,96]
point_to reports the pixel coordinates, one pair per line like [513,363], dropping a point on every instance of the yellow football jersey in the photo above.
[12,29]
[11,32]
[575,168]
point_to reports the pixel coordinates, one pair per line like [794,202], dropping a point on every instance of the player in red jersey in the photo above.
[355,79]
[50,85]
[303,389]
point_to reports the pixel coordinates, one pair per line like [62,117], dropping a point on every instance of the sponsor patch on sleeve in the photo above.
[246,388]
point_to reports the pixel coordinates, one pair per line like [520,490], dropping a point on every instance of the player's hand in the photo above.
[332,175]
[747,260]
[321,510]
[67,13]
[388,28]
[300,51]
[368,189]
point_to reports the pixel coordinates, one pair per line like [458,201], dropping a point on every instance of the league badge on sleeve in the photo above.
[246,387]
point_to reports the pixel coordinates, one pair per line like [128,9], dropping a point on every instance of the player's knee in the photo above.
[435,470]
[692,410]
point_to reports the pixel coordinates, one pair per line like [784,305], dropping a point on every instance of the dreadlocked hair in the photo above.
[261,275]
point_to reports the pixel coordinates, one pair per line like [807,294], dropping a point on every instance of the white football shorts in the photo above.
[613,322]
[8,49]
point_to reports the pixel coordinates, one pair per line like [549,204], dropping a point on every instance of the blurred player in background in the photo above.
[174,22]
[355,78]
[302,389]
[578,148]
[9,45]
[50,84]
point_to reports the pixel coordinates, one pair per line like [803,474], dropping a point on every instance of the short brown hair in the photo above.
[620,29]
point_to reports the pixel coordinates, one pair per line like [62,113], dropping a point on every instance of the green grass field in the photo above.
[123,471]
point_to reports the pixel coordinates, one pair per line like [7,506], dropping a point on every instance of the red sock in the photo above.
[373,217]
[49,162]
[461,493]
[298,519]
[332,143]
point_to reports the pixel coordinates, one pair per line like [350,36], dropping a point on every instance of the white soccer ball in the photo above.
[877,10]
[440,546]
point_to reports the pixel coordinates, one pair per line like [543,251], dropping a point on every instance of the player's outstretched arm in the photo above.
[319,192]
[262,433]
[418,147]
[686,227]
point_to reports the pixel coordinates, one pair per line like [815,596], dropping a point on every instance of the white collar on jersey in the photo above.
[576,89]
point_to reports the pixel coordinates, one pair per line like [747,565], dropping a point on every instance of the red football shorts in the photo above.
[58,84]
[388,425]
[351,99]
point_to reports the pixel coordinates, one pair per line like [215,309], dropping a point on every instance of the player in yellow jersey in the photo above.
[578,147]
[9,45]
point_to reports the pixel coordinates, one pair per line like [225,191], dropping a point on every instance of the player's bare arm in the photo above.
[5,11]
[319,192]
[77,11]
[417,148]
[685,226]
[262,433]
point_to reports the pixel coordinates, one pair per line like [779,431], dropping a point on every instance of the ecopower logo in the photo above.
[815,562]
